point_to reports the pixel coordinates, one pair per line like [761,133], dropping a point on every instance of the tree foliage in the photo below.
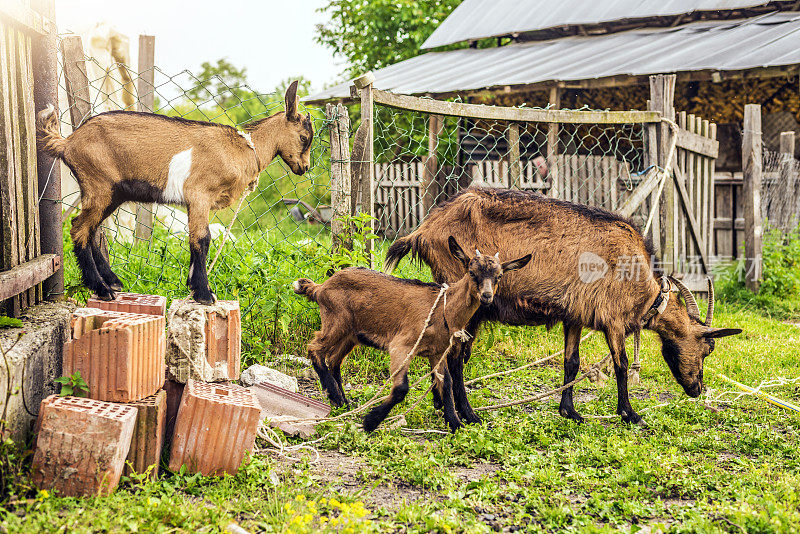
[371,34]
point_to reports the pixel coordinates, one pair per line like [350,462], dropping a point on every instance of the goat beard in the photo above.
[672,355]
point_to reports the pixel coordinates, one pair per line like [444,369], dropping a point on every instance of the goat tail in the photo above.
[307,288]
[50,139]
[396,252]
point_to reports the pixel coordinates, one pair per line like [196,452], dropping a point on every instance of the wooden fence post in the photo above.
[752,167]
[552,145]
[367,178]
[79,101]
[430,187]
[514,164]
[45,93]
[145,91]
[341,186]
[788,182]
[662,97]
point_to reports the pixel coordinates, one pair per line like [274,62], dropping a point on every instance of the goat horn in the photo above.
[710,314]
[691,304]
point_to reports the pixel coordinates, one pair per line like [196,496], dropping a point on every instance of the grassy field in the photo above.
[698,466]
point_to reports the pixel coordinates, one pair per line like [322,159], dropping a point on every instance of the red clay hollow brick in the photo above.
[120,355]
[204,342]
[216,426]
[148,435]
[81,445]
[132,303]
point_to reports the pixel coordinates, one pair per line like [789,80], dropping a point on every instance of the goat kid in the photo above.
[363,307]
[619,298]
[122,156]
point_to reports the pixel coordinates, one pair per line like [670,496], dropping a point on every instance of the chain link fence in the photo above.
[281,233]
[780,195]
[423,159]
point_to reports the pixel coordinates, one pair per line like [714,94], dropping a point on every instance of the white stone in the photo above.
[256,374]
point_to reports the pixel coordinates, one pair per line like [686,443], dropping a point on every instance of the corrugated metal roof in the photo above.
[765,41]
[479,19]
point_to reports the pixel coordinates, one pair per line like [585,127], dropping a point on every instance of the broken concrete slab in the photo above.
[81,445]
[256,374]
[279,406]
[35,361]
[203,342]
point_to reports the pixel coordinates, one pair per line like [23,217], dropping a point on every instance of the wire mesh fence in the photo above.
[279,235]
[780,195]
[421,160]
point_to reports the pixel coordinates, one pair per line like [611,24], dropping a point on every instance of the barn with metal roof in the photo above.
[725,53]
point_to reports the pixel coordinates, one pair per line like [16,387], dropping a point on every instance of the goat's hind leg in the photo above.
[317,350]
[103,267]
[399,391]
[83,230]
[572,364]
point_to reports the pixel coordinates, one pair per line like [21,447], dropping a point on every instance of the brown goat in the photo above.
[567,239]
[123,156]
[360,306]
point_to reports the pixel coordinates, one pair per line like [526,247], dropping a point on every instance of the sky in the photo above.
[273,39]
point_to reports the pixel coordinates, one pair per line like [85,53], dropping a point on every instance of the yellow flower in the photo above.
[300,498]
[44,494]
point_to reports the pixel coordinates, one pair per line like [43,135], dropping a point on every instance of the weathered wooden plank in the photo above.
[28,143]
[26,275]
[145,89]
[477,111]
[430,191]
[709,192]
[514,168]
[76,80]
[699,144]
[552,143]
[752,150]
[637,196]
[17,135]
[687,210]
[723,233]
[9,252]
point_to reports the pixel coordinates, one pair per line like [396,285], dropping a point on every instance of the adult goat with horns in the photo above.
[590,268]
[122,156]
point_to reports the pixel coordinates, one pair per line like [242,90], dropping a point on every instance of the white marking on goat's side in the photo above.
[247,138]
[179,167]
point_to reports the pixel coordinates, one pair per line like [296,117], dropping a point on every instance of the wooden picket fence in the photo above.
[30,226]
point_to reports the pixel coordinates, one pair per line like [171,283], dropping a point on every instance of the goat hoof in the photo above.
[632,418]
[105,293]
[370,424]
[471,419]
[207,298]
[570,413]
[117,286]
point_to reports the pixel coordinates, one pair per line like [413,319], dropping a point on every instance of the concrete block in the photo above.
[34,364]
[203,342]
[256,374]
[216,426]
[148,434]
[81,445]
[278,405]
[132,303]
[119,355]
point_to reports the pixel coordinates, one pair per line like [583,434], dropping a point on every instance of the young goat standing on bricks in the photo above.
[360,306]
[123,156]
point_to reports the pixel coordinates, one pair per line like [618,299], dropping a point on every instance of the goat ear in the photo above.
[722,332]
[513,265]
[456,251]
[291,102]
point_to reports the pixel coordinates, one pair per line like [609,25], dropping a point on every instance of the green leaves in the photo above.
[9,322]
[73,385]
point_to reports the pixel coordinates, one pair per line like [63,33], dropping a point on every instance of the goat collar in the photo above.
[249,140]
[660,304]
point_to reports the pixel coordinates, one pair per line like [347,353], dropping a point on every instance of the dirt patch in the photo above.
[477,472]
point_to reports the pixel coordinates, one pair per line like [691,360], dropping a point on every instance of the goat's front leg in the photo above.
[458,356]
[84,228]
[616,344]
[199,241]
[572,363]
[398,369]
[443,389]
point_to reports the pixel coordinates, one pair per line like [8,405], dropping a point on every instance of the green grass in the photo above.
[691,470]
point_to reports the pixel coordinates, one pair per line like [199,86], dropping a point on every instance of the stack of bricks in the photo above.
[120,349]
